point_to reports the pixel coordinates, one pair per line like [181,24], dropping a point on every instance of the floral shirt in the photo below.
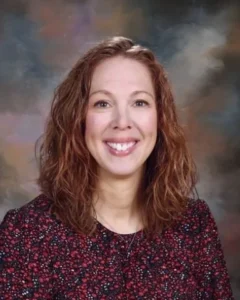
[41,258]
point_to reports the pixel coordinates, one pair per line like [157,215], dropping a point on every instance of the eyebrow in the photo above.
[132,94]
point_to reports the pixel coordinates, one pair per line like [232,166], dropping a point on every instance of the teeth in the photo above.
[121,147]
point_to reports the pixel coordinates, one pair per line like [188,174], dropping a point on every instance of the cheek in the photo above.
[149,124]
[94,126]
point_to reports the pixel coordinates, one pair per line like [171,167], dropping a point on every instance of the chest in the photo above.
[157,270]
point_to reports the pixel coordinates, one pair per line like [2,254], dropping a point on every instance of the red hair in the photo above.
[67,171]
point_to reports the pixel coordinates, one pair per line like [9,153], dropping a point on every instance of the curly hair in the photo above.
[67,171]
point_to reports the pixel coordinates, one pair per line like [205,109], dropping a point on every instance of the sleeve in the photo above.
[211,267]
[21,276]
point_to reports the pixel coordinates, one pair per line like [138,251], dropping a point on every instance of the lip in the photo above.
[121,140]
[121,153]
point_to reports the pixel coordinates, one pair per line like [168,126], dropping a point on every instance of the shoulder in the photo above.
[31,229]
[196,218]
[30,219]
[195,226]
[31,211]
[196,206]
[197,209]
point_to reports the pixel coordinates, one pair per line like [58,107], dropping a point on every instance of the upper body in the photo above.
[114,151]
[43,259]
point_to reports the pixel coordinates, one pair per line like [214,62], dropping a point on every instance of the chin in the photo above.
[126,173]
[123,175]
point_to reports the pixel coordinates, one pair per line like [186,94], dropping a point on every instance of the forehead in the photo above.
[121,71]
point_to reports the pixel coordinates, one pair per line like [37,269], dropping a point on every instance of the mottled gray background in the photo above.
[198,42]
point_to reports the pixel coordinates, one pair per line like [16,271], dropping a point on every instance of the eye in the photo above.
[101,104]
[141,103]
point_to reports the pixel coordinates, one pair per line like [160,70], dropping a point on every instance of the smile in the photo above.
[121,149]
[121,146]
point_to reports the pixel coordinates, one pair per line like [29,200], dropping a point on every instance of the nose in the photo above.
[122,119]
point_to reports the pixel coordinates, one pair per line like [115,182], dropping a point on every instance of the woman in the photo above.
[115,218]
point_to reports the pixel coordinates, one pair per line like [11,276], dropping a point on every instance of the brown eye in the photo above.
[101,104]
[141,103]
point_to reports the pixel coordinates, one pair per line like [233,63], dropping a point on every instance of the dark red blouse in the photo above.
[40,258]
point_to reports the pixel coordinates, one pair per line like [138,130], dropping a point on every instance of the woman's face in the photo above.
[121,121]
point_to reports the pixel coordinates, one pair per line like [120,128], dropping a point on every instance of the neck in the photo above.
[116,203]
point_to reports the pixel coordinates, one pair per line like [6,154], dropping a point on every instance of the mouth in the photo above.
[121,149]
[121,146]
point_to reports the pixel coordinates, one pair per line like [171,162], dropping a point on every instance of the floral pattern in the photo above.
[41,258]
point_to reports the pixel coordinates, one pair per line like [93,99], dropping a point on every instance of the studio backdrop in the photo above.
[198,42]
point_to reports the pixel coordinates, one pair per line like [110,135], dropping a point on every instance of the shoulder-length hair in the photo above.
[67,171]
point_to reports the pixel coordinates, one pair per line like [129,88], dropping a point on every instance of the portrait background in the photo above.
[198,42]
